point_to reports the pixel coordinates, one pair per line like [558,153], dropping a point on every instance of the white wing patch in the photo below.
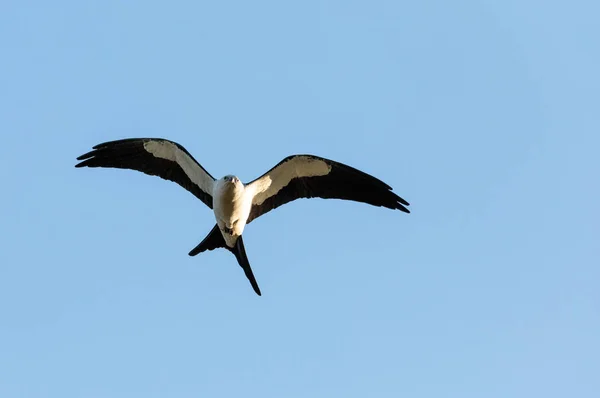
[170,151]
[273,182]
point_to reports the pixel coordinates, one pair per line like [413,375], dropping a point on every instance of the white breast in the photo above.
[231,205]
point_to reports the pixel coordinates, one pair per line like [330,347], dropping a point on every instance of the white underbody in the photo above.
[232,202]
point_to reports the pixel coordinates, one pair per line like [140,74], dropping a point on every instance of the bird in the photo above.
[234,203]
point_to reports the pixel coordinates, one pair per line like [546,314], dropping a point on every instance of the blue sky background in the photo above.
[482,114]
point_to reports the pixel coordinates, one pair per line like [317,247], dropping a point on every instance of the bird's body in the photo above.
[234,203]
[231,206]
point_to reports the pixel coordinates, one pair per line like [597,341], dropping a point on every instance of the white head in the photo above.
[231,179]
[230,185]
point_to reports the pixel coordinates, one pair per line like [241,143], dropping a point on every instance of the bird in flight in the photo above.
[235,203]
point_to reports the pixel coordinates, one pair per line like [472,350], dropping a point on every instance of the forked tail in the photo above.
[214,240]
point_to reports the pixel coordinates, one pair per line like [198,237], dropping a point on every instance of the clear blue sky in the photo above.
[484,115]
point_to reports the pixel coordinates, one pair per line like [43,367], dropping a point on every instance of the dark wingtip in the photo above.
[85,158]
[83,163]
[404,202]
[87,155]
[113,142]
[401,205]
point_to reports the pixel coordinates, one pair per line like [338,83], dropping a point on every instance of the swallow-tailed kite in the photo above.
[234,203]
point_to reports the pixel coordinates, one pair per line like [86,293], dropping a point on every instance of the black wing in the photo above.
[153,156]
[309,176]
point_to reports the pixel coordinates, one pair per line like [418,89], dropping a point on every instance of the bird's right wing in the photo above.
[157,157]
[309,176]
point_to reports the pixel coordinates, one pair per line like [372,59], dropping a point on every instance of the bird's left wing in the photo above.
[153,156]
[309,176]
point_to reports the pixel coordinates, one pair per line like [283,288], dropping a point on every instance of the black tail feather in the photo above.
[240,254]
[214,240]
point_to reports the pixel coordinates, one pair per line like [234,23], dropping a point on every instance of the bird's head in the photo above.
[231,179]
